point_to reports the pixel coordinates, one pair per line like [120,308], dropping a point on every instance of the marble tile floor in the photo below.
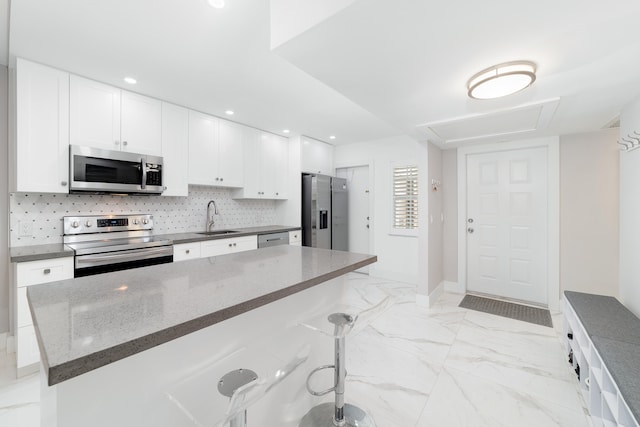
[412,366]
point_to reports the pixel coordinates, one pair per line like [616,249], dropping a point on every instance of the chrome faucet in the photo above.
[209,216]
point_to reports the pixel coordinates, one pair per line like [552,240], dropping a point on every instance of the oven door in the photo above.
[104,171]
[86,265]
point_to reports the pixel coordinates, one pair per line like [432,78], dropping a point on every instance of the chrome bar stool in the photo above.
[339,413]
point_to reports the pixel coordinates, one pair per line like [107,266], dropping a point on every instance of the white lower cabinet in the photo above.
[295,238]
[228,246]
[208,248]
[186,251]
[27,352]
[27,274]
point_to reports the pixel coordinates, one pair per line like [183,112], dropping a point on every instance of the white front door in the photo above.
[507,224]
[359,217]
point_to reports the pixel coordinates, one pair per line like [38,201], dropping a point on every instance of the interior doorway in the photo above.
[359,214]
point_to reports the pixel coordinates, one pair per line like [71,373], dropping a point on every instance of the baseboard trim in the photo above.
[429,300]
[454,287]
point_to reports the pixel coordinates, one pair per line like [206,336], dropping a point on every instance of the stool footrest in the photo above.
[316,370]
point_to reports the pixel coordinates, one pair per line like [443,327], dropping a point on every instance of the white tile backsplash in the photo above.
[171,214]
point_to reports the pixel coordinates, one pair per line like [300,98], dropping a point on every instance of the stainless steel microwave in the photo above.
[98,171]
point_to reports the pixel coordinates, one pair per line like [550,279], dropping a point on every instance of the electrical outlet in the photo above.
[26,229]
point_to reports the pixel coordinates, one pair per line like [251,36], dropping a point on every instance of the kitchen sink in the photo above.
[218,232]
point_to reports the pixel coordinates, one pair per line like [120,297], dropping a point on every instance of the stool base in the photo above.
[322,416]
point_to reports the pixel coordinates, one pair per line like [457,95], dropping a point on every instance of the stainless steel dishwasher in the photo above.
[273,239]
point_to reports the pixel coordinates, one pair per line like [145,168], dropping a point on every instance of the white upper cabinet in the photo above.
[230,154]
[175,150]
[316,157]
[215,151]
[141,124]
[94,114]
[107,117]
[266,166]
[42,129]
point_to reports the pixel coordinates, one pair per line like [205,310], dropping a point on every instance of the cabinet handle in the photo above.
[229,244]
[47,271]
[124,142]
[63,183]
[234,244]
[277,194]
[117,142]
[187,251]
[221,179]
[217,179]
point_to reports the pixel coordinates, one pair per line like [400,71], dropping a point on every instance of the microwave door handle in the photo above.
[143,166]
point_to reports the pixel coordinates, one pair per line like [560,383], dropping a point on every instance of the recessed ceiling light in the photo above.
[130,80]
[285,131]
[502,80]
[229,112]
[218,4]
[332,137]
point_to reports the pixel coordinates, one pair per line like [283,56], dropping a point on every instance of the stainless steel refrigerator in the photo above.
[325,212]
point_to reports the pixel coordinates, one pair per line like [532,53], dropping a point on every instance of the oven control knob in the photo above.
[75,224]
[135,221]
[145,221]
[87,224]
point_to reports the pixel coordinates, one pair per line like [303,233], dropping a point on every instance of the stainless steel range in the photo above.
[114,242]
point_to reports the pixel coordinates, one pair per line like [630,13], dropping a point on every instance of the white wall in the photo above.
[630,213]
[4,201]
[450,209]
[436,219]
[398,256]
[589,204]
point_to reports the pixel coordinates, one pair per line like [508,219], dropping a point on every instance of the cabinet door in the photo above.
[316,157]
[246,243]
[42,129]
[216,247]
[27,352]
[94,114]
[175,150]
[203,148]
[281,167]
[186,251]
[230,155]
[141,124]
[295,238]
[251,142]
[274,165]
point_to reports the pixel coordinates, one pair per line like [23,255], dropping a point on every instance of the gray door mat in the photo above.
[539,316]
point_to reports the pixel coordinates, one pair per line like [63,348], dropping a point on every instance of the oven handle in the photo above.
[84,261]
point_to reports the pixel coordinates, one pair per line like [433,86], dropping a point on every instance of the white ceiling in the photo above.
[368,69]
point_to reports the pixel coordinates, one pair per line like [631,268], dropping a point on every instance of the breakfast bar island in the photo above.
[147,346]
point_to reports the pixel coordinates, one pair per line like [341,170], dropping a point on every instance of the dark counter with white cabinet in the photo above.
[59,250]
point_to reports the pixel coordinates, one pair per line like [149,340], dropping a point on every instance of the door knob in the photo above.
[367,225]
[470,230]
[470,220]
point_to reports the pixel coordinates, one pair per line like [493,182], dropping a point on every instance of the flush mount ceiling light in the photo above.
[130,80]
[285,131]
[229,112]
[218,4]
[332,137]
[502,80]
